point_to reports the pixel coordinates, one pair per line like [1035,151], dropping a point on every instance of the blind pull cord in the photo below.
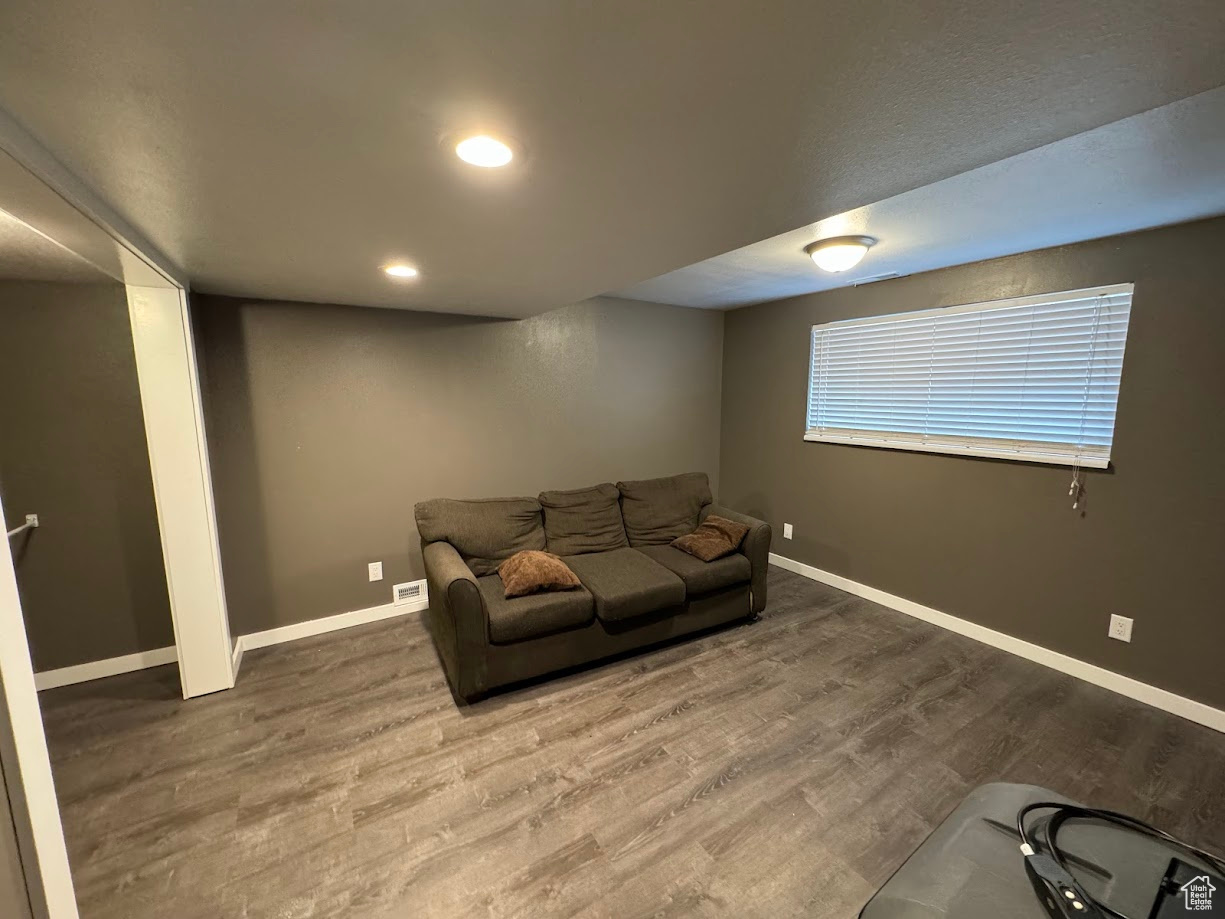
[1076,492]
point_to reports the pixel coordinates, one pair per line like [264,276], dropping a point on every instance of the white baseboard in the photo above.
[1163,699]
[96,670]
[112,666]
[327,624]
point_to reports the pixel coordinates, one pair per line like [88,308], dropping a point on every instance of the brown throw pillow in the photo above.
[714,538]
[531,571]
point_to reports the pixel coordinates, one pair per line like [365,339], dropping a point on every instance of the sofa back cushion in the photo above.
[583,520]
[485,531]
[657,511]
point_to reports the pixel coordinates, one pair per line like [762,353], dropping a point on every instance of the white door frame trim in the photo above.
[49,878]
[182,486]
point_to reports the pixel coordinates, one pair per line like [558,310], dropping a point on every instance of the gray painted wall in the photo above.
[997,542]
[327,423]
[72,450]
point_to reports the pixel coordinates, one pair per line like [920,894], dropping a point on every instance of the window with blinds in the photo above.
[1033,378]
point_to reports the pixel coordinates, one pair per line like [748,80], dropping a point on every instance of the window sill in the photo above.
[1001,453]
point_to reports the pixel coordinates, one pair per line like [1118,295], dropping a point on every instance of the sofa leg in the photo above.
[468,695]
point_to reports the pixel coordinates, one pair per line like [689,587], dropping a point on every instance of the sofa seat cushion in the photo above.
[656,511]
[520,618]
[699,576]
[583,520]
[625,583]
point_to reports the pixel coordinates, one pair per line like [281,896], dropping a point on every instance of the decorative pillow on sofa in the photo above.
[531,571]
[583,520]
[715,538]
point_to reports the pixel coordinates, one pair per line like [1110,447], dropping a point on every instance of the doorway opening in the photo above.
[104,483]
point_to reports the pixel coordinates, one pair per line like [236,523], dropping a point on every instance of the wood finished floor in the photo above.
[783,768]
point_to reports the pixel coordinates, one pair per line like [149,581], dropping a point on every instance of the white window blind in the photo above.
[1033,378]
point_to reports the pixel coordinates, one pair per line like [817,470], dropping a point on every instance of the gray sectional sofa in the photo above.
[637,590]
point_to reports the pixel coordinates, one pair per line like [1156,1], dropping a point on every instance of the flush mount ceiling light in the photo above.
[400,271]
[484,151]
[839,253]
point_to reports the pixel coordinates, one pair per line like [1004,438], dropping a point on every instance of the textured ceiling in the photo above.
[27,255]
[1160,167]
[286,148]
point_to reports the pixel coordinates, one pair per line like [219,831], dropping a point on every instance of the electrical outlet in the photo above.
[786,531]
[376,571]
[1120,628]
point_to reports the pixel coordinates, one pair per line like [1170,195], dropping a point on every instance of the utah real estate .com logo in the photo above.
[1198,893]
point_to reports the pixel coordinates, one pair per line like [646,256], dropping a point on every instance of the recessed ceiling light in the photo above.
[400,271]
[839,253]
[484,151]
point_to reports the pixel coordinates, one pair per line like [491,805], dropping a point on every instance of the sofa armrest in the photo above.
[756,546]
[457,614]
